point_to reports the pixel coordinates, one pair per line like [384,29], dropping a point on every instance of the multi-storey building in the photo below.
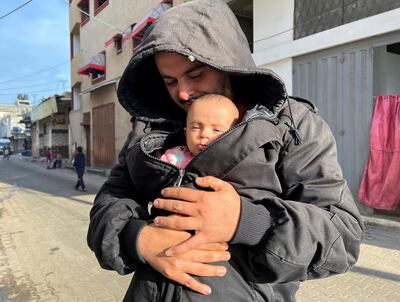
[104,35]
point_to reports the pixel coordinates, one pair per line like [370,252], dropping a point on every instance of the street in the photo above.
[44,255]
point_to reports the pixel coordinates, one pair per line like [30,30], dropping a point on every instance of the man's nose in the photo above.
[184,91]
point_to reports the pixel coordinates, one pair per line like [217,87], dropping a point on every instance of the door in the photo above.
[341,85]
[103,136]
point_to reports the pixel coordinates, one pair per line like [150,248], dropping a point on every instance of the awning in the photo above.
[140,28]
[94,65]
[102,84]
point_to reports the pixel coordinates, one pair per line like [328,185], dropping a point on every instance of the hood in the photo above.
[208,31]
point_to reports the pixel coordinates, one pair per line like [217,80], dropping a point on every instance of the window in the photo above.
[45,128]
[118,43]
[99,5]
[84,6]
[138,31]
[76,98]
[99,75]
[75,44]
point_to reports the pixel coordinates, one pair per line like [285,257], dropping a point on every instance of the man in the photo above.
[304,226]
[80,164]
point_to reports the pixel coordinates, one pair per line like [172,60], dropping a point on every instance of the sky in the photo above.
[34,49]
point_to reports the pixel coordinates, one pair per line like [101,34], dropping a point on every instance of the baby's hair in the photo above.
[216,97]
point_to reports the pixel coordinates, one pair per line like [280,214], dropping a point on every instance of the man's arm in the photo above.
[115,218]
[313,230]
[122,236]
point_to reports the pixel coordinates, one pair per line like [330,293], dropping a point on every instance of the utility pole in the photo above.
[63,83]
[34,98]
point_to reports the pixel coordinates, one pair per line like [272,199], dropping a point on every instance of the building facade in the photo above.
[50,126]
[104,35]
[11,126]
[339,54]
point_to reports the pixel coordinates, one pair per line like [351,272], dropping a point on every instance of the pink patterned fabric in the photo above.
[179,156]
[380,186]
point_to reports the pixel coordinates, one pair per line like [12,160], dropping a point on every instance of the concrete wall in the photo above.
[120,15]
[273,21]
[76,132]
[386,72]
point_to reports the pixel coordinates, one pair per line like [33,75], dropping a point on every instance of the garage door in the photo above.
[341,85]
[103,136]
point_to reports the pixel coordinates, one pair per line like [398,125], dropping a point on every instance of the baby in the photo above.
[207,118]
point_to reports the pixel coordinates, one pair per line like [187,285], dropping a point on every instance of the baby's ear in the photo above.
[184,131]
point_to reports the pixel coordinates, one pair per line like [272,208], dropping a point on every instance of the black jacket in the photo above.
[79,161]
[301,223]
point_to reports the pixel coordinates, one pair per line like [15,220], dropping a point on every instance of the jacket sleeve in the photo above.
[313,229]
[116,220]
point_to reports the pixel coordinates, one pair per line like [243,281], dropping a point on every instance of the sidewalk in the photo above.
[66,163]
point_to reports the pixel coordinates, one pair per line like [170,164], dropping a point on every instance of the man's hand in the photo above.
[152,243]
[213,216]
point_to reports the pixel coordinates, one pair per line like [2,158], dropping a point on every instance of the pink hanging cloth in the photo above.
[380,186]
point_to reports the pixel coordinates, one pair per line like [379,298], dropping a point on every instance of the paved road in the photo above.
[44,257]
[43,251]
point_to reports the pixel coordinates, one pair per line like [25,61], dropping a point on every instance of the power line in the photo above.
[14,10]
[22,87]
[94,18]
[36,91]
[26,76]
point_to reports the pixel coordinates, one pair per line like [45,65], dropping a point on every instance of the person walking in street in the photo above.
[80,164]
[218,245]
[6,153]
[48,157]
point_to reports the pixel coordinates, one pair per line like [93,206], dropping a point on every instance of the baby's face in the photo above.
[207,120]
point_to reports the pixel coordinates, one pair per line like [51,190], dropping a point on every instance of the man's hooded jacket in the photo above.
[298,219]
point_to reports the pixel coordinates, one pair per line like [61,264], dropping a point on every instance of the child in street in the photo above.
[202,127]
[79,164]
[58,162]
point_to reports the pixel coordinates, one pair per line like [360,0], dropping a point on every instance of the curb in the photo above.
[369,220]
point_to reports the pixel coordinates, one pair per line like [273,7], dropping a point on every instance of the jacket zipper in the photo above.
[178,181]
[181,172]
